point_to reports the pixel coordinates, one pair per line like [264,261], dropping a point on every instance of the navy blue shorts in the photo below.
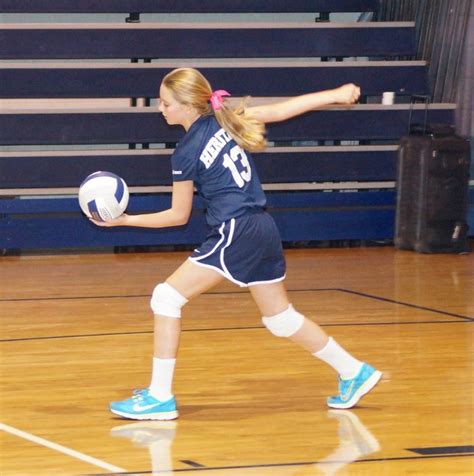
[246,250]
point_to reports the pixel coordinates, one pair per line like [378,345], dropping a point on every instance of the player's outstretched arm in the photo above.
[280,111]
[178,214]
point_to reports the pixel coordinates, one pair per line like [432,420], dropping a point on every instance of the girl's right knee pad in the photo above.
[166,301]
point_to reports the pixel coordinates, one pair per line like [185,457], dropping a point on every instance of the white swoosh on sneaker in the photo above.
[141,408]
[347,394]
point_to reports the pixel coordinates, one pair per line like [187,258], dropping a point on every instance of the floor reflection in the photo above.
[156,436]
[355,442]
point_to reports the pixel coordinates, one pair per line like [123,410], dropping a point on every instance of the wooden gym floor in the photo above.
[76,334]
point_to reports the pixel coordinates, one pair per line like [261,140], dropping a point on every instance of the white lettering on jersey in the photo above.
[213,147]
[238,156]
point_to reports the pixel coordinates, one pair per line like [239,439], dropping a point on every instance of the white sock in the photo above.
[162,378]
[339,359]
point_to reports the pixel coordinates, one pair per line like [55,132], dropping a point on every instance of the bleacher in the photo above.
[329,175]
[186,6]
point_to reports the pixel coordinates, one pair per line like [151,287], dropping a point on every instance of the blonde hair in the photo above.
[189,87]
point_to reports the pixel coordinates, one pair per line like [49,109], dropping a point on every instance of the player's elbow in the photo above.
[181,217]
[182,221]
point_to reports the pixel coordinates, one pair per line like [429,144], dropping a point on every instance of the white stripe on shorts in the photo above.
[221,231]
[224,271]
[229,241]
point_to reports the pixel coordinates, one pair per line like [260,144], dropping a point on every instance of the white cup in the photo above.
[388,97]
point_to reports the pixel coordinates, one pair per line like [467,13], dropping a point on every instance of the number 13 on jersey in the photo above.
[232,159]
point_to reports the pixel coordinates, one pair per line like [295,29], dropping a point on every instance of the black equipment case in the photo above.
[432,191]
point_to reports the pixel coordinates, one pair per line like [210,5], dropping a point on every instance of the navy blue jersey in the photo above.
[223,173]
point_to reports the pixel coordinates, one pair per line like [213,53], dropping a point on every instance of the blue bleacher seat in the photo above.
[185,6]
[59,169]
[205,40]
[145,125]
[264,78]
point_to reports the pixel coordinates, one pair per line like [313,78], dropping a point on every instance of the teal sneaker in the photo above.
[351,391]
[139,391]
[143,406]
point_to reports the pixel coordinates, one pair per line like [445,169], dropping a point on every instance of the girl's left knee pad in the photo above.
[284,324]
[166,301]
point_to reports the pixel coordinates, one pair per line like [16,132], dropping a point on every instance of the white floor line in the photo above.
[62,449]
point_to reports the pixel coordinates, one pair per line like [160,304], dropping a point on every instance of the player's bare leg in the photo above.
[157,401]
[190,280]
[356,378]
[272,299]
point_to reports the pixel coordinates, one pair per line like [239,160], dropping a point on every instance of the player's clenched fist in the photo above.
[347,94]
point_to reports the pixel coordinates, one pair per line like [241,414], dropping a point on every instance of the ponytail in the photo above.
[190,87]
[247,132]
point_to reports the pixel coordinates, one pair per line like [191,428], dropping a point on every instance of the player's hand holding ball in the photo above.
[103,197]
[122,220]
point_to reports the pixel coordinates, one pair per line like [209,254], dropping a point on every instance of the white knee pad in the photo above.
[284,324]
[166,301]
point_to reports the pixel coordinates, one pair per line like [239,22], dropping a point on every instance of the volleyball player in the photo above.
[243,246]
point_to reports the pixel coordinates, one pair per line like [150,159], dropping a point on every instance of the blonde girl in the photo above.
[243,246]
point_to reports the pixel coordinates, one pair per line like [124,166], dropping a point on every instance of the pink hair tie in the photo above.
[216,98]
